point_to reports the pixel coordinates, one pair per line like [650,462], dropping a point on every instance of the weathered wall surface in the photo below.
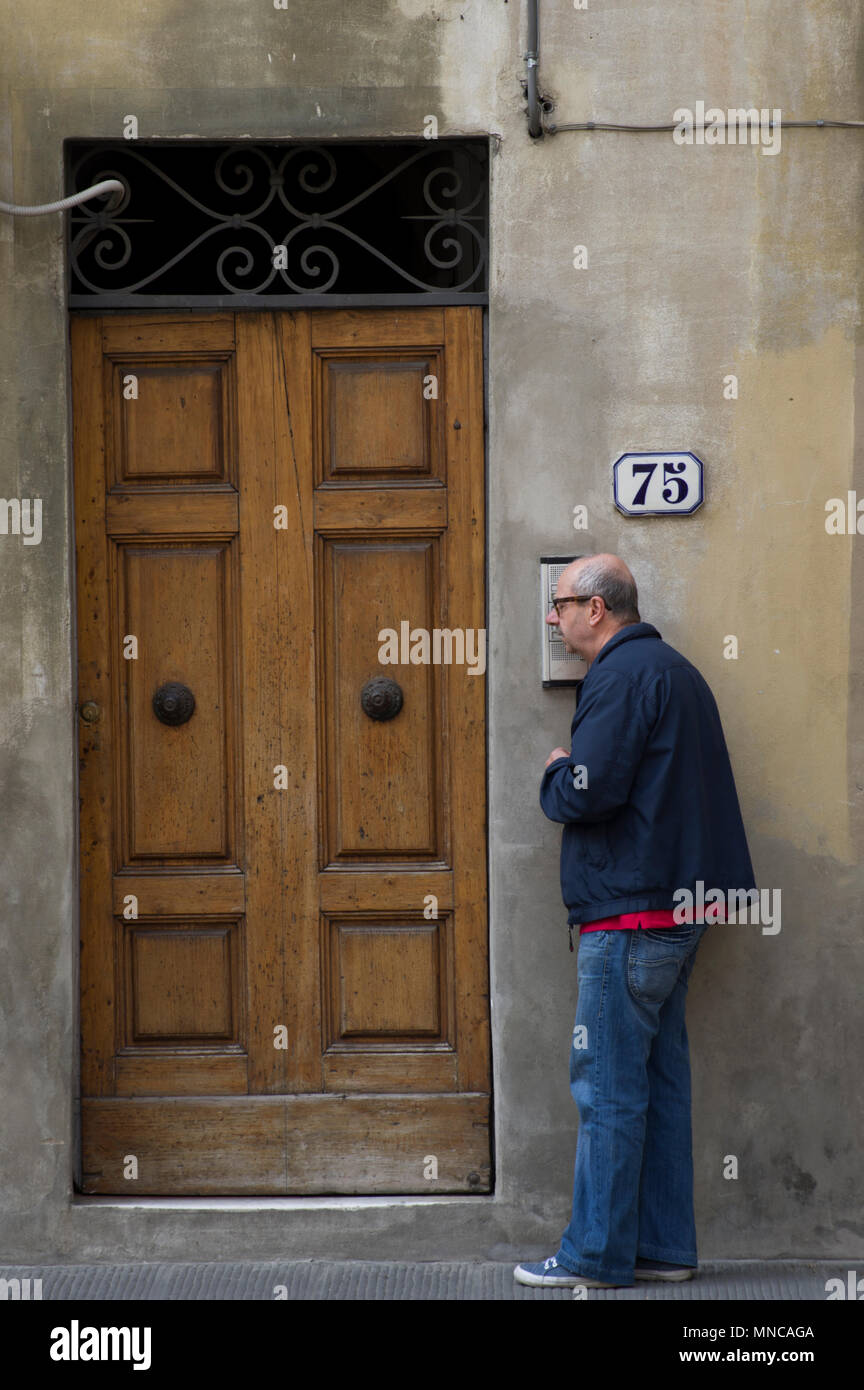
[702,262]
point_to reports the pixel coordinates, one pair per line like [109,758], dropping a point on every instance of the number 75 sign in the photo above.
[655,484]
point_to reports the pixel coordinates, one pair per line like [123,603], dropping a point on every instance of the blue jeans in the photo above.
[630,1079]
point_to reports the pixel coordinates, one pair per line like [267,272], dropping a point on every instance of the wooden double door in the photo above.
[284,984]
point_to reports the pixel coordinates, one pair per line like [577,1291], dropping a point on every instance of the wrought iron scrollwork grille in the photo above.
[266,223]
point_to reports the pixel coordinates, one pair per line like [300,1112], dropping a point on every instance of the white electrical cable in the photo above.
[98,189]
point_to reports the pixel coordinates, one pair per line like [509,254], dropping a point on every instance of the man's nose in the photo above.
[551,616]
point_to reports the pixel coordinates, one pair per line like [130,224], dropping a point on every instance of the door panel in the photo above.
[381,785]
[283,903]
[178,784]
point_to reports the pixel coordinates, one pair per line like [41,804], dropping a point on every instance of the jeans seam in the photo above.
[595,1081]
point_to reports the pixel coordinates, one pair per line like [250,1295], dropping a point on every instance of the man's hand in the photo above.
[557,753]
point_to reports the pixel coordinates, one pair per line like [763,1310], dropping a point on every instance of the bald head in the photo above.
[608,576]
[612,602]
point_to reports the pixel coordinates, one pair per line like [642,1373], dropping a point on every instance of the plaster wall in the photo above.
[702,262]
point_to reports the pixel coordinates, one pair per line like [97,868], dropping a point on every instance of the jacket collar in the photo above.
[626,634]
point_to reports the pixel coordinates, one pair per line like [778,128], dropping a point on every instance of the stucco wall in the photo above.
[702,262]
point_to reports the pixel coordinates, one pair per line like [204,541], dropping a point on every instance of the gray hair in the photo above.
[618,593]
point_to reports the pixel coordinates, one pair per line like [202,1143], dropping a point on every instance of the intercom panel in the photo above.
[560,667]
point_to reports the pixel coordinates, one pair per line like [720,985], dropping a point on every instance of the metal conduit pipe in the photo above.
[98,190]
[532,58]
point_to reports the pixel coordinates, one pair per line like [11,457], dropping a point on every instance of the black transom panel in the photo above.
[204,224]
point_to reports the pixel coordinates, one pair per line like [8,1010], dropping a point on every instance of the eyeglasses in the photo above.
[558,603]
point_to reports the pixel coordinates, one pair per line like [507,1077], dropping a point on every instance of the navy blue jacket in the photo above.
[660,810]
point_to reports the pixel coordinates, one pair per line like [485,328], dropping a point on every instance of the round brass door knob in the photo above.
[381,698]
[173,703]
[90,712]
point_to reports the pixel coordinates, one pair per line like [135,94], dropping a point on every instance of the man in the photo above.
[648,803]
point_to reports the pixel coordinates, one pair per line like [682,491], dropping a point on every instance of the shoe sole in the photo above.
[546,1281]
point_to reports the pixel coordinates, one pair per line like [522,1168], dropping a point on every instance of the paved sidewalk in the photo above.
[459,1281]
